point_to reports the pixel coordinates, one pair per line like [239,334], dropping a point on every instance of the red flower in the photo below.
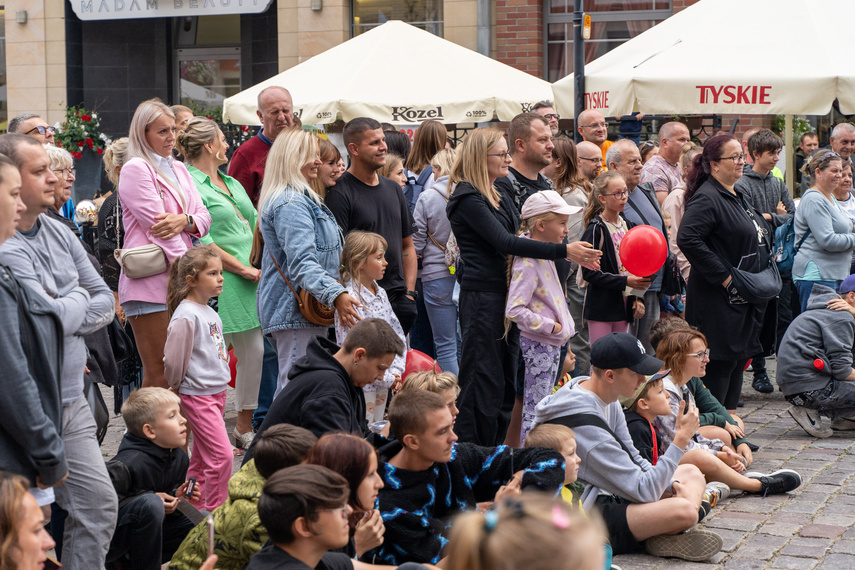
[89,142]
[58,144]
[80,144]
[100,151]
[77,154]
[245,129]
[85,118]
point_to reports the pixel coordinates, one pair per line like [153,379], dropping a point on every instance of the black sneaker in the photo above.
[762,384]
[778,482]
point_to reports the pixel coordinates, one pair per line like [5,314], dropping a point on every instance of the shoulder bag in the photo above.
[312,310]
[143,260]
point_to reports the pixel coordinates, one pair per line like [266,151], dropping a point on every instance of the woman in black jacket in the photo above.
[610,305]
[485,224]
[721,231]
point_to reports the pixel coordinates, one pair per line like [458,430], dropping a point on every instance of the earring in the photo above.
[356,363]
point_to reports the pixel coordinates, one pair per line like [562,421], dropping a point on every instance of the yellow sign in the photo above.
[586,28]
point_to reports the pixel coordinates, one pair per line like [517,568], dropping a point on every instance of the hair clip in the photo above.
[490,520]
[560,518]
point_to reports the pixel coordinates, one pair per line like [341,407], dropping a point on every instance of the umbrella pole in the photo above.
[789,175]
[578,67]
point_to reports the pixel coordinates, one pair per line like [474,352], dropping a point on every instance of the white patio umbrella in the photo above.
[729,56]
[399,74]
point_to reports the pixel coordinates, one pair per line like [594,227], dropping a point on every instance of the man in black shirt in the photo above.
[530,145]
[363,200]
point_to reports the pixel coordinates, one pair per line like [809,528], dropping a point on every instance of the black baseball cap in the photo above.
[622,350]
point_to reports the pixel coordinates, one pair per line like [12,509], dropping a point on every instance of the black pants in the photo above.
[488,369]
[404,307]
[724,380]
[421,334]
[145,536]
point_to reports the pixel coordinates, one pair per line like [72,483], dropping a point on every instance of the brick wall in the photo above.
[678,5]
[519,34]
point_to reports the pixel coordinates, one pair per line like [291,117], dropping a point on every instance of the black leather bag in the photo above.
[123,346]
[672,279]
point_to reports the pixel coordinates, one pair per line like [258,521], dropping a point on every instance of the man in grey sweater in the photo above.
[815,361]
[639,502]
[47,257]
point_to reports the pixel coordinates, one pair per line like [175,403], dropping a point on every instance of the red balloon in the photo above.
[418,361]
[643,250]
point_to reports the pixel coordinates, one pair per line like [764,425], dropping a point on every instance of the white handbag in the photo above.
[141,261]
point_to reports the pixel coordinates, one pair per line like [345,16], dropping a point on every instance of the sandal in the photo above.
[243,440]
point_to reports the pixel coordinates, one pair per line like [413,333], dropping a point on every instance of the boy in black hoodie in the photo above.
[324,392]
[649,401]
[149,474]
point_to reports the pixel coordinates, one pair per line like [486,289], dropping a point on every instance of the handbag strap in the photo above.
[279,269]
[430,235]
[577,420]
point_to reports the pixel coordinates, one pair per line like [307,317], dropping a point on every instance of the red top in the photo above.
[247,166]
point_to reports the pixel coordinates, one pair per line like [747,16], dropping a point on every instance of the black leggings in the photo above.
[724,380]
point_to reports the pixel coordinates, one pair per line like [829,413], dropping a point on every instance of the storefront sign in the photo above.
[127,9]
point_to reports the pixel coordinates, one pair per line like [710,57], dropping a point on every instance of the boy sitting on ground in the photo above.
[429,478]
[149,474]
[238,533]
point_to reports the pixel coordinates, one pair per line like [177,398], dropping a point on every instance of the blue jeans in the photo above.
[804,288]
[442,313]
[269,374]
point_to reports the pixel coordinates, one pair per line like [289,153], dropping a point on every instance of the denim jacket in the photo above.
[306,243]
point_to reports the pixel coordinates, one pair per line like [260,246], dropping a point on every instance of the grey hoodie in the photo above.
[817,333]
[765,192]
[606,469]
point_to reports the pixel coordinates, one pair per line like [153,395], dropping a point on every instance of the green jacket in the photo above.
[712,413]
[238,533]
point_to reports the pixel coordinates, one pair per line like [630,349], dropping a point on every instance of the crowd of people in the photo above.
[572,411]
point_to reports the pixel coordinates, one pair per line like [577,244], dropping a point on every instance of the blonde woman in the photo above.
[302,238]
[485,223]
[233,217]
[161,206]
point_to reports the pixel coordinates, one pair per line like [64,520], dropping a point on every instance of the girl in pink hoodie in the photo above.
[536,301]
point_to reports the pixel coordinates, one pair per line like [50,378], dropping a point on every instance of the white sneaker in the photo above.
[810,421]
[716,492]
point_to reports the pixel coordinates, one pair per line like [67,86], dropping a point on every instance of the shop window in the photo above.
[207,61]
[424,14]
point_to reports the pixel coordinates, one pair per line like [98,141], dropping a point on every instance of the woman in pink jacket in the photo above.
[161,206]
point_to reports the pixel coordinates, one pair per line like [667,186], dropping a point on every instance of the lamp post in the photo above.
[578,66]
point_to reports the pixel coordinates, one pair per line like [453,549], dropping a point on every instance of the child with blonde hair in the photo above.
[196,360]
[536,301]
[363,263]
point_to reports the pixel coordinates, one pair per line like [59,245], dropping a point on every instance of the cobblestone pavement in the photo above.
[812,527]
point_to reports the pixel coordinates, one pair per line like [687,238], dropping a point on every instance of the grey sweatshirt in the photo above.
[53,263]
[606,469]
[817,333]
[765,192]
[430,216]
[831,240]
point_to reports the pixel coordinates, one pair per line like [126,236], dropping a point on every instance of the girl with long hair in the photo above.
[328,171]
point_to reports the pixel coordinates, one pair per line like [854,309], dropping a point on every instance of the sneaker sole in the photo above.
[694,546]
[811,429]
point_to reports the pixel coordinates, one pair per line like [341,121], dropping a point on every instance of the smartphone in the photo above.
[191,486]
[688,402]
[210,522]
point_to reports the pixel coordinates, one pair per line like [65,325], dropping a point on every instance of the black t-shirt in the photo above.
[271,557]
[381,209]
[528,188]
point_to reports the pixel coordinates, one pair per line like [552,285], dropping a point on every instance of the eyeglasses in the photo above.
[555,116]
[736,158]
[71,172]
[598,161]
[702,355]
[621,194]
[594,126]
[42,130]
[505,154]
[343,510]
[648,143]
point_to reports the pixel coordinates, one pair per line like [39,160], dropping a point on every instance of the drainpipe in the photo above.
[484,27]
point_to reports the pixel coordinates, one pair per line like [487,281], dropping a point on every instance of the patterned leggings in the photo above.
[541,368]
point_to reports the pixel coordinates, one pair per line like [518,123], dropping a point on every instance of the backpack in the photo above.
[785,244]
[414,187]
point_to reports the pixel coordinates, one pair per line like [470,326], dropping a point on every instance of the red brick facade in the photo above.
[519,34]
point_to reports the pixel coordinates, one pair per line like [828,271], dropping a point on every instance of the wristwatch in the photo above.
[413,294]
[189,220]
